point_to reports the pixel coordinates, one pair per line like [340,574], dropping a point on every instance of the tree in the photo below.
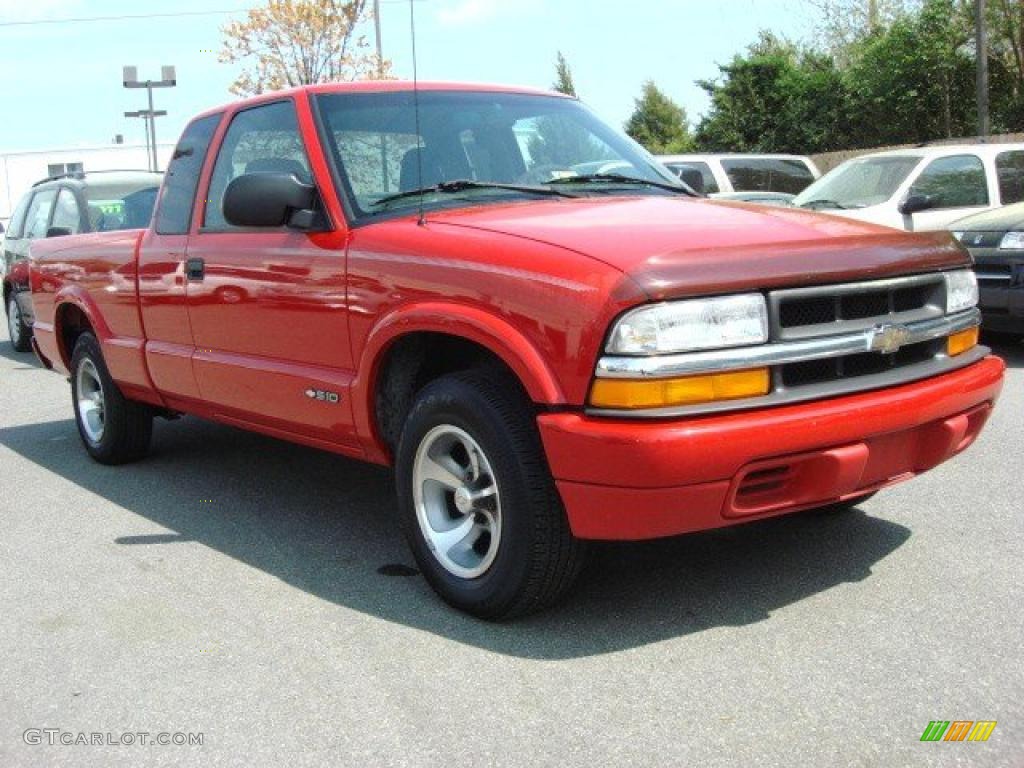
[775,98]
[842,23]
[563,77]
[658,123]
[914,82]
[298,42]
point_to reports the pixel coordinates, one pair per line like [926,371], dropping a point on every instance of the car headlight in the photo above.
[959,235]
[682,326]
[961,290]
[1012,241]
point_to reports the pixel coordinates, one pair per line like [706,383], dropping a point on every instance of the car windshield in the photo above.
[117,205]
[859,183]
[517,140]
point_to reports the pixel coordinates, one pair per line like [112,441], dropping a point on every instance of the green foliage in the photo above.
[658,123]
[563,77]
[775,99]
[905,77]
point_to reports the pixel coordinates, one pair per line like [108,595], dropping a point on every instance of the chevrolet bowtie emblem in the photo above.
[888,339]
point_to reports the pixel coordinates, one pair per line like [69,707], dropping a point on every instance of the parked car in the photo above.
[544,357]
[98,201]
[762,198]
[920,189]
[746,173]
[996,241]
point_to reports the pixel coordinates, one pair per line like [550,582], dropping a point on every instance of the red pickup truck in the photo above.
[547,334]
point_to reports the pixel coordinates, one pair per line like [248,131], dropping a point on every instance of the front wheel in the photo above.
[477,501]
[113,429]
[19,331]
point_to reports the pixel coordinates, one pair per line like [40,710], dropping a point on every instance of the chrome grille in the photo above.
[802,313]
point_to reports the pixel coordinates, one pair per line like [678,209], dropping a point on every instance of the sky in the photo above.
[61,82]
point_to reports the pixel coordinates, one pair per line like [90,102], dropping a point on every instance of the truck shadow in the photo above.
[1008,348]
[328,526]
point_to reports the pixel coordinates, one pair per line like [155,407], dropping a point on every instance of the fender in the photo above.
[467,322]
[79,297]
[124,355]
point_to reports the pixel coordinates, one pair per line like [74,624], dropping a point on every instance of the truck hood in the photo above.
[675,246]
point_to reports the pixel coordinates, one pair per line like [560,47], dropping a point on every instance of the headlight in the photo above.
[1012,241]
[958,235]
[681,326]
[961,290]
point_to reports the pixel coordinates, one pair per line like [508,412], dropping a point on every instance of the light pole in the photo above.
[380,49]
[130,79]
[148,116]
[981,44]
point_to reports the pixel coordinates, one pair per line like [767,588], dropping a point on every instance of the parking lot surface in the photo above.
[260,594]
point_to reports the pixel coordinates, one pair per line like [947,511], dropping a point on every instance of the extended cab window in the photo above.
[259,140]
[66,214]
[1010,170]
[38,217]
[17,223]
[953,182]
[174,211]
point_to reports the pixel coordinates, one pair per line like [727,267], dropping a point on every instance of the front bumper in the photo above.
[623,479]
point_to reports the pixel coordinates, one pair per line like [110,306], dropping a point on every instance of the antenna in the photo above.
[416,109]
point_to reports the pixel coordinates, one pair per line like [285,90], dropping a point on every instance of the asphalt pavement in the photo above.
[257,595]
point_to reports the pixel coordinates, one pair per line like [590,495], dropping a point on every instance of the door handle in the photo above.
[195,269]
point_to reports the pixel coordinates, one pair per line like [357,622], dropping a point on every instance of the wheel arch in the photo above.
[436,328]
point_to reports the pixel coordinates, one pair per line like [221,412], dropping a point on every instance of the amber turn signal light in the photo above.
[689,390]
[961,342]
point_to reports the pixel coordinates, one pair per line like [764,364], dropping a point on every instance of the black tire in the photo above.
[127,426]
[20,333]
[536,558]
[841,507]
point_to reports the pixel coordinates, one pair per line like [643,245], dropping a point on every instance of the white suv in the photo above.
[920,189]
[746,173]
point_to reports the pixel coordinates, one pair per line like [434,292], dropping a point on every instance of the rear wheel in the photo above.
[20,333]
[113,429]
[478,504]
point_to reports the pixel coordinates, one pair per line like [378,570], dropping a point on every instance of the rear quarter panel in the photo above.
[96,273]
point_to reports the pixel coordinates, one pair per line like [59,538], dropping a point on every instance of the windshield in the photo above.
[859,183]
[500,138]
[121,205]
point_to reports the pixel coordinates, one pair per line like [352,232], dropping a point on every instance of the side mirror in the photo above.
[269,200]
[914,203]
[693,178]
[58,232]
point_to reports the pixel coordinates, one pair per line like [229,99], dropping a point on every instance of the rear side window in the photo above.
[1010,171]
[174,214]
[38,217]
[710,185]
[953,182]
[263,139]
[16,226]
[66,214]
[766,174]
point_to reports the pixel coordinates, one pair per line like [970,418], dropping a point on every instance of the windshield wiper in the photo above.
[618,178]
[822,202]
[461,185]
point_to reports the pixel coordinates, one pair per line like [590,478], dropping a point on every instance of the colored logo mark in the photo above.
[958,730]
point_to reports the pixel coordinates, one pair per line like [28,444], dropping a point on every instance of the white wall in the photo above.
[20,170]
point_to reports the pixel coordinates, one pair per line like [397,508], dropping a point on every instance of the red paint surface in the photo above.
[536,282]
